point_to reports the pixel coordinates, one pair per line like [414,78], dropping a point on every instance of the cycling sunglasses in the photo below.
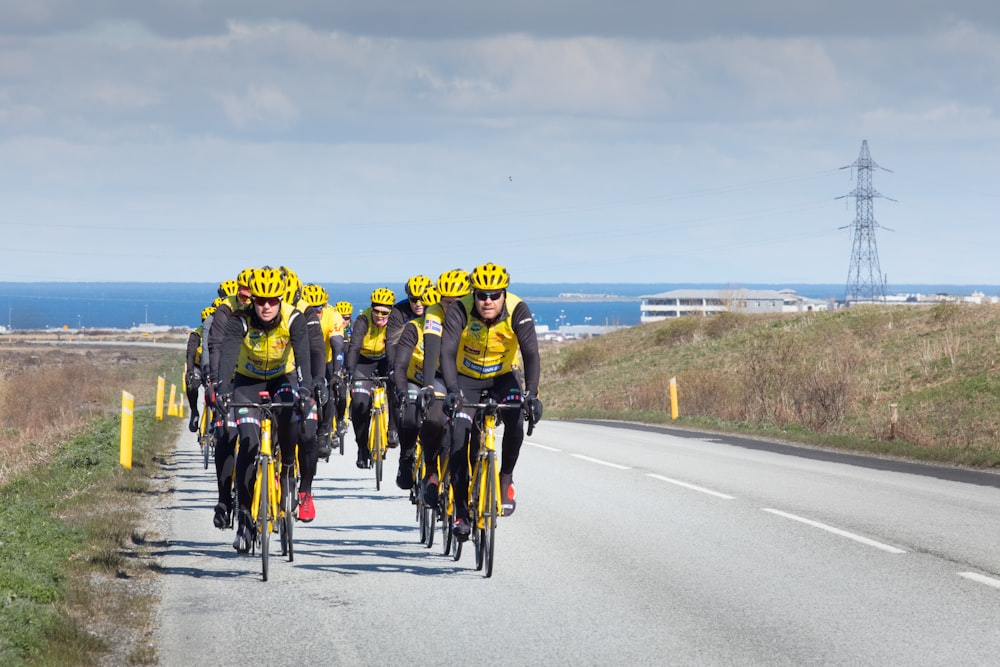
[266,300]
[483,295]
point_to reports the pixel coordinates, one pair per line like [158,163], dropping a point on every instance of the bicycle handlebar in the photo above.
[493,405]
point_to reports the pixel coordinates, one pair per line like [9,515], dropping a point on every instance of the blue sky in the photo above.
[571,140]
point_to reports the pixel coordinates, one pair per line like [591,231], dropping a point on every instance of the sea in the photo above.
[124,305]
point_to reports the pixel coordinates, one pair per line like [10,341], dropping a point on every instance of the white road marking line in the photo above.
[693,487]
[980,578]
[837,531]
[599,461]
[535,444]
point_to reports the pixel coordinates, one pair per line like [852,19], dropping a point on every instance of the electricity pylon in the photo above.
[864,278]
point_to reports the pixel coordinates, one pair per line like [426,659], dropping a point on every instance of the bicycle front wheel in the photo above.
[378,455]
[488,537]
[263,516]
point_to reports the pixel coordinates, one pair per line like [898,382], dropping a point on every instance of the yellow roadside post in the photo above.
[125,449]
[171,408]
[160,382]
[673,398]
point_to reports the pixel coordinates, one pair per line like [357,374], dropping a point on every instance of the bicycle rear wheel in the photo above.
[287,522]
[429,518]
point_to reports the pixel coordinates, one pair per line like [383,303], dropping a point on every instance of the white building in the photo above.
[683,302]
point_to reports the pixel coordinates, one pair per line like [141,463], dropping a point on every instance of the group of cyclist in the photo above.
[447,342]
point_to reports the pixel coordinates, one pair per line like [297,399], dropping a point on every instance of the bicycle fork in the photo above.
[265,460]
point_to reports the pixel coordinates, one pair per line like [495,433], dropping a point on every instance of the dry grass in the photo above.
[85,583]
[47,393]
[829,374]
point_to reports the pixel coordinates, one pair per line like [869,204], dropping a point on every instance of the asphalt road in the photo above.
[629,546]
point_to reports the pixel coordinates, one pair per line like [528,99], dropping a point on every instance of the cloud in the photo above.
[260,105]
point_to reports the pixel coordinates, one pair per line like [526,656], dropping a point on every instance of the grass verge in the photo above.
[71,545]
[918,383]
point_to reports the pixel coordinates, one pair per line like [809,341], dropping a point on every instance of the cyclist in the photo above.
[451,285]
[332,325]
[264,349]
[483,333]
[408,380]
[308,455]
[366,356]
[346,310]
[193,376]
[340,393]
[236,302]
[224,430]
[402,312]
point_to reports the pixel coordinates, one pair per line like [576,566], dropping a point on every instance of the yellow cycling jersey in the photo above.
[234,304]
[332,324]
[487,351]
[373,344]
[434,320]
[415,371]
[201,341]
[267,354]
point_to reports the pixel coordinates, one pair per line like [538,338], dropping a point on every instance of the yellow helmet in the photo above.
[344,308]
[416,285]
[490,277]
[206,312]
[267,282]
[454,283]
[243,279]
[315,295]
[293,286]
[430,296]
[219,301]
[383,296]
[228,288]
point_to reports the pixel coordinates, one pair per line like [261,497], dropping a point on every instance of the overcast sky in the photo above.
[570,140]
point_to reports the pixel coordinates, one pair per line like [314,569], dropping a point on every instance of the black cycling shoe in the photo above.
[393,440]
[461,529]
[404,476]
[193,422]
[244,533]
[221,518]
[431,491]
[324,447]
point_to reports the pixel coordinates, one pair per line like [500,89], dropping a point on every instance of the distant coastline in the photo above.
[88,305]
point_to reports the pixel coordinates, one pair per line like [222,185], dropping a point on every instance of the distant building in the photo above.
[684,302]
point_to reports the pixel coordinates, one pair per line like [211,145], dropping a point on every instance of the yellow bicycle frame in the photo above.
[487,447]
[378,431]
[271,480]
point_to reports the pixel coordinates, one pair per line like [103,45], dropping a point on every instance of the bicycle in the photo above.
[446,509]
[485,503]
[286,509]
[378,428]
[426,515]
[267,513]
[206,434]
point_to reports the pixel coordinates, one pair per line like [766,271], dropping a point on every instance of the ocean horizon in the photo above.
[123,305]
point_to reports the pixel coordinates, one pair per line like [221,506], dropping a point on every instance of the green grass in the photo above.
[826,379]
[60,524]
